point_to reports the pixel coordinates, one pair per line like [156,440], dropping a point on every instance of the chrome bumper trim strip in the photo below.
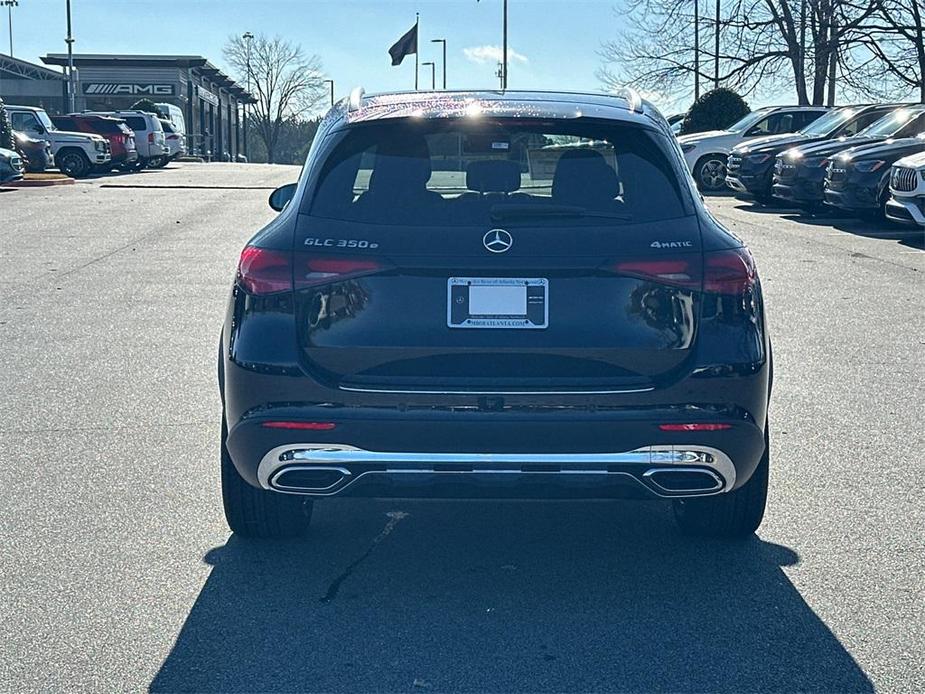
[341,456]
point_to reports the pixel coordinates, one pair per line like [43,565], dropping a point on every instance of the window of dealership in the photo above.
[213,104]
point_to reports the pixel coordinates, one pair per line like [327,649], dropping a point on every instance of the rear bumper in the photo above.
[660,471]
[581,454]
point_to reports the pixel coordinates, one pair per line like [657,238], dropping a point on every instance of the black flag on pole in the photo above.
[406,45]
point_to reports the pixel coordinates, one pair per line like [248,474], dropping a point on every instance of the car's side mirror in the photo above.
[39,130]
[280,197]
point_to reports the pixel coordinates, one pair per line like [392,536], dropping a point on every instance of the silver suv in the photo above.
[706,153]
[76,154]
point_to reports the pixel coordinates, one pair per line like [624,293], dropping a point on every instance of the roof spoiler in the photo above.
[632,98]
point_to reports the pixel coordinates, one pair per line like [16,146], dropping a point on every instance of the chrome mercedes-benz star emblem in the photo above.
[498,241]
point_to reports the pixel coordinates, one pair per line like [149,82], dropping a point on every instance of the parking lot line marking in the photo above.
[183,187]
[876,233]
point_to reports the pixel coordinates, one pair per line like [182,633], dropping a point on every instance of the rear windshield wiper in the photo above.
[512,210]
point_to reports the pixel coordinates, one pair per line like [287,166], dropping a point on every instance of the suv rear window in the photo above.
[64,123]
[465,173]
[107,126]
[136,122]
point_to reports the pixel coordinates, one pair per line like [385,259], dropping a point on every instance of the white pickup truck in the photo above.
[907,191]
[76,154]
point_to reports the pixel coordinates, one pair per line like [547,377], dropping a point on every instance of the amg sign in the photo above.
[128,89]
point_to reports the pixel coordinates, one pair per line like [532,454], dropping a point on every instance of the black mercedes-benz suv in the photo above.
[494,295]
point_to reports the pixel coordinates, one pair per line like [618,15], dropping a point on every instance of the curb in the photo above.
[41,183]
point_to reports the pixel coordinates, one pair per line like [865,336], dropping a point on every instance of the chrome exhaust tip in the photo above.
[683,481]
[300,479]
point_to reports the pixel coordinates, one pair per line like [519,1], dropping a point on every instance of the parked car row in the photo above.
[839,157]
[79,144]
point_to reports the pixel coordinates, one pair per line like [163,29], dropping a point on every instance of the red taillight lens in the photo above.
[704,426]
[728,272]
[312,271]
[302,426]
[720,272]
[679,271]
[262,271]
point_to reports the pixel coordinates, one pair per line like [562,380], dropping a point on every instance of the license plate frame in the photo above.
[504,308]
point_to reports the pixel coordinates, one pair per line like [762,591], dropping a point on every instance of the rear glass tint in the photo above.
[107,126]
[136,122]
[64,123]
[460,173]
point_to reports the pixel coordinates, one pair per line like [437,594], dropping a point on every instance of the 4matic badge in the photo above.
[671,244]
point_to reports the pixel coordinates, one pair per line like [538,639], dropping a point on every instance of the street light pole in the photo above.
[10,4]
[248,37]
[330,82]
[72,96]
[433,74]
[504,49]
[443,41]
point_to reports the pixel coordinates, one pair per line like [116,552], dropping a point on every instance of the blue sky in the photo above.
[554,42]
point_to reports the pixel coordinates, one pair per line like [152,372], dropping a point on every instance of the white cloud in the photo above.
[492,54]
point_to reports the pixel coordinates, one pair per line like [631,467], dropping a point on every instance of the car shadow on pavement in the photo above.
[843,221]
[494,596]
[912,237]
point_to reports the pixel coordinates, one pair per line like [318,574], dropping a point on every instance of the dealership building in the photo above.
[213,104]
[26,84]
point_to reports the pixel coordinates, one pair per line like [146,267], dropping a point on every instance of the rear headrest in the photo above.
[493,176]
[583,177]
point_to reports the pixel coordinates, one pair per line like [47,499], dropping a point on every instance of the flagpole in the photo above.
[417,42]
[504,48]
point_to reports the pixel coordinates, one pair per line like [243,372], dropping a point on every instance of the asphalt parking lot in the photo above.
[119,573]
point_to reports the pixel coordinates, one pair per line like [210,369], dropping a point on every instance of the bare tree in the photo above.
[764,45]
[891,61]
[286,83]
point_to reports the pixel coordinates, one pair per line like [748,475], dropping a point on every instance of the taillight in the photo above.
[699,426]
[728,272]
[151,137]
[679,271]
[262,271]
[719,272]
[311,271]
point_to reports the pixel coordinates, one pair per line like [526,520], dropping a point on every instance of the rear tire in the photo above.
[252,512]
[734,515]
[710,173]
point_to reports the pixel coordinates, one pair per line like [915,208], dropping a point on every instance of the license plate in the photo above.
[497,302]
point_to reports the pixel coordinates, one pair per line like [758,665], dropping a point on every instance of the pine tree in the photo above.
[6,130]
